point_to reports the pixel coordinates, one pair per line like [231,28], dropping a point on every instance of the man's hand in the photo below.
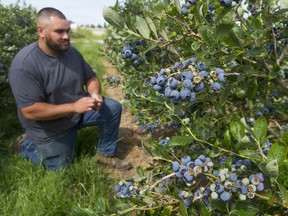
[85,104]
[98,101]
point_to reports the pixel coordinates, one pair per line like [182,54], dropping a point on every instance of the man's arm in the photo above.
[94,89]
[44,111]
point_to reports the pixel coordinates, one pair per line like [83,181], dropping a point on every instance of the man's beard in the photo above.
[58,47]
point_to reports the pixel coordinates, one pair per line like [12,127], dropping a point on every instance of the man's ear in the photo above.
[41,31]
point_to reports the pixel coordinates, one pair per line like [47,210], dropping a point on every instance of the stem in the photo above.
[162,179]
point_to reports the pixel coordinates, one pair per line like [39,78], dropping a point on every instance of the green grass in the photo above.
[82,189]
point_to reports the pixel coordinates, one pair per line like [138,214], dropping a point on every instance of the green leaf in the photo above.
[227,139]
[112,17]
[163,31]
[237,129]
[252,155]
[223,29]
[142,27]
[252,88]
[100,204]
[270,169]
[167,210]
[285,136]
[284,193]
[178,6]
[140,171]
[281,11]
[223,13]
[183,209]
[260,130]
[180,141]
[151,24]
[278,151]
[225,94]
[257,52]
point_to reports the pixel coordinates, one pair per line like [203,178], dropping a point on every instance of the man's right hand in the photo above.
[84,104]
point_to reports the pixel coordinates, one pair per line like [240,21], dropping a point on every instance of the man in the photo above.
[48,80]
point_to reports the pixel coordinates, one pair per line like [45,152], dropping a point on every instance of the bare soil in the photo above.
[130,137]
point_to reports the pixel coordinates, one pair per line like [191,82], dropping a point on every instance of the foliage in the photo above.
[17,29]
[154,41]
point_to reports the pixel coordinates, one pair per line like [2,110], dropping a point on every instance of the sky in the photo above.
[81,12]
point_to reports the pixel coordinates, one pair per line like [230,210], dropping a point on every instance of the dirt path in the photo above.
[130,145]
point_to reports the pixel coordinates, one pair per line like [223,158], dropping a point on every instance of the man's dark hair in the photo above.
[49,11]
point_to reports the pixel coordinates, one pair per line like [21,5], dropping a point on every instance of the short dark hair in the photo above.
[49,11]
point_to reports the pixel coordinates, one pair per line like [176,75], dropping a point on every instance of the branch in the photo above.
[162,179]
[279,60]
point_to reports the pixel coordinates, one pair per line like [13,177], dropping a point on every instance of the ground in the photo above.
[130,137]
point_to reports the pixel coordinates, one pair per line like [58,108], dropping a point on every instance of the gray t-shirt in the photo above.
[36,77]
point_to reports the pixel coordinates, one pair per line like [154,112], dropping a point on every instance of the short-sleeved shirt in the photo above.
[37,77]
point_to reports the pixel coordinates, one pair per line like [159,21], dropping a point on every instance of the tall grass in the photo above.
[82,189]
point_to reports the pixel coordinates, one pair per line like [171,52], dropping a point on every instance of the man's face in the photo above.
[57,36]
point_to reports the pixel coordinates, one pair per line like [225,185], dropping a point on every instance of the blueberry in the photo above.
[151,80]
[175,95]
[186,159]
[176,65]
[201,66]
[188,177]
[184,11]
[260,187]
[192,2]
[192,97]
[198,162]
[219,188]
[225,3]
[225,196]
[221,77]
[168,91]
[186,75]
[187,83]
[173,82]
[161,80]
[187,202]
[216,86]
[219,71]
[233,177]
[199,87]
[117,188]
[157,87]
[204,74]
[175,166]
[185,94]
[192,60]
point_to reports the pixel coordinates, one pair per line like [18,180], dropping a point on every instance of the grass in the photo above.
[82,189]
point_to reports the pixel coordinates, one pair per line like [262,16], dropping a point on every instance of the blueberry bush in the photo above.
[17,29]
[211,77]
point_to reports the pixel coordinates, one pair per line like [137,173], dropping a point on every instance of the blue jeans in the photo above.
[58,153]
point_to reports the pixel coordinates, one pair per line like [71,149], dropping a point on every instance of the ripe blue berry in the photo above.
[173,82]
[221,77]
[186,75]
[168,91]
[185,159]
[199,87]
[187,83]
[204,74]
[175,166]
[201,66]
[184,11]
[216,86]
[225,3]
[187,202]
[175,94]
[219,71]
[225,196]
[185,94]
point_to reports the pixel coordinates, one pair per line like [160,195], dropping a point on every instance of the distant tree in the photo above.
[92,26]
[99,26]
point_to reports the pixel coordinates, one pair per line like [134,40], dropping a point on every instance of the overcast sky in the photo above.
[78,11]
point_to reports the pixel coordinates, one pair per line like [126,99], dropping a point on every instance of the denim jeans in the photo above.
[58,153]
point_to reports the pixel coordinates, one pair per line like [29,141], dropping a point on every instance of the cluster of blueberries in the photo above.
[226,182]
[113,80]
[182,81]
[125,190]
[190,3]
[131,51]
